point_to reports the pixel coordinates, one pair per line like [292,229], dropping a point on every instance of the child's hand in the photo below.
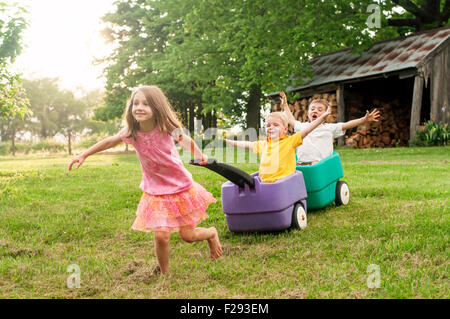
[283,98]
[204,160]
[79,159]
[326,113]
[372,116]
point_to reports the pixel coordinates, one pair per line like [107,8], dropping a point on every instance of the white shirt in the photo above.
[318,144]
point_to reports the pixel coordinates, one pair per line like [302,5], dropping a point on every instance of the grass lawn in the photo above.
[398,219]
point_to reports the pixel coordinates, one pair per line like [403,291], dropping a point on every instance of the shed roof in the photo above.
[386,56]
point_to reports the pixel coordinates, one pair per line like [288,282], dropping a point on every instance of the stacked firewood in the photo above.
[390,131]
[300,107]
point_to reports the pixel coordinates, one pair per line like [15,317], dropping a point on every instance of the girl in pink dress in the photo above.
[171,200]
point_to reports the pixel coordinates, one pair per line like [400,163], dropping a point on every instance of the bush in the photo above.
[432,134]
[5,148]
[90,140]
[26,148]
[48,146]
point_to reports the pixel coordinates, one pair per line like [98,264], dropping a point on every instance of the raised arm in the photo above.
[315,123]
[369,117]
[103,145]
[286,110]
[243,144]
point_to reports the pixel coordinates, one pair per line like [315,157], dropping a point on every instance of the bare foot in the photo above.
[214,245]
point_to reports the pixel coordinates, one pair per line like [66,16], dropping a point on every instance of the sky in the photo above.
[62,40]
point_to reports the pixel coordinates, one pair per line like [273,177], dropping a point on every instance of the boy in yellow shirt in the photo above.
[278,149]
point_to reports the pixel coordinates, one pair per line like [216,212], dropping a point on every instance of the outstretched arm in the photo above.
[308,129]
[286,110]
[103,145]
[243,144]
[188,143]
[369,117]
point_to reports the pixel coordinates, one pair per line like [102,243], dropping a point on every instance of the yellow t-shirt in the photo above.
[278,157]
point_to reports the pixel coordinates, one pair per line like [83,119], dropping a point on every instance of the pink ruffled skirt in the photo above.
[174,211]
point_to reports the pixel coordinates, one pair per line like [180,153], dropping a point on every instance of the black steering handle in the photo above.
[233,174]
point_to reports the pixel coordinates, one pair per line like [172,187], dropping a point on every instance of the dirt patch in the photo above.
[139,271]
[297,293]
[18,252]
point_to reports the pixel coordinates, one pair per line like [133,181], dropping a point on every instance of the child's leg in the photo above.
[162,239]
[191,235]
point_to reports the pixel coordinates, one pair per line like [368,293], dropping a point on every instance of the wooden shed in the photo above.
[407,78]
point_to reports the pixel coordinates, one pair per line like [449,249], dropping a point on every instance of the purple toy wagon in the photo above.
[251,205]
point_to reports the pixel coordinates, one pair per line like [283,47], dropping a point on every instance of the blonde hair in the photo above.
[321,101]
[165,117]
[279,115]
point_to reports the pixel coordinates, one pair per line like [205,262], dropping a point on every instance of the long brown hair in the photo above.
[165,117]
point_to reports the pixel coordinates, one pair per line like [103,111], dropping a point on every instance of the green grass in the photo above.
[398,219]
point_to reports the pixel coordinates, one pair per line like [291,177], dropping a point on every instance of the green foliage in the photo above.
[90,140]
[48,146]
[12,24]
[13,101]
[432,134]
[57,111]
[223,55]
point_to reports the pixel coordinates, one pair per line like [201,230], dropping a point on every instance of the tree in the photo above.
[55,110]
[225,55]
[249,48]
[71,116]
[140,32]
[43,95]
[421,14]
[11,127]
[12,25]
[12,100]
[13,106]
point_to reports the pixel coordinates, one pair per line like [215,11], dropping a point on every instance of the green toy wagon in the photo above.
[323,185]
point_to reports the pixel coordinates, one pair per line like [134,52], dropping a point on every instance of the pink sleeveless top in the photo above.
[163,172]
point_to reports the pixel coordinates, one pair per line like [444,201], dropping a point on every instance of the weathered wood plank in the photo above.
[340,110]
[416,105]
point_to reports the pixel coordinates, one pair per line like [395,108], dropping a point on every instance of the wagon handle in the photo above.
[231,173]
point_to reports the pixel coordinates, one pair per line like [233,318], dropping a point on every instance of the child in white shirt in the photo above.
[319,143]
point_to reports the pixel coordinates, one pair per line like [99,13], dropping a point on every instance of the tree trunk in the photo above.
[253,116]
[208,121]
[13,140]
[191,117]
[185,115]
[426,16]
[214,120]
[69,135]
[340,110]
[43,132]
